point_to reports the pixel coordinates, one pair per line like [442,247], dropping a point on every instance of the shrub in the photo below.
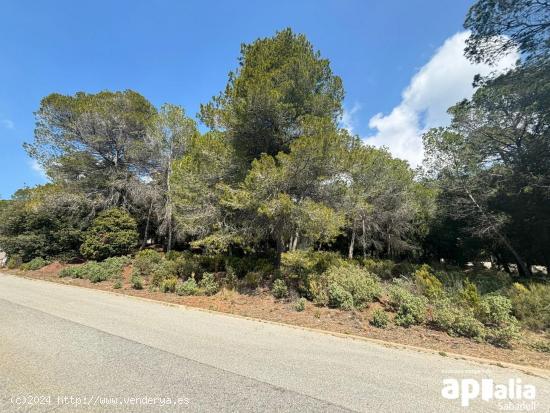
[14,261]
[73,272]
[208,284]
[242,265]
[411,309]
[541,345]
[252,279]
[427,283]
[145,262]
[380,318]
[163,271]
[495,311]
[362,286]
[34,264]
[382,268]
[457,320]
[300,304]
[95,272]
[338,297]
[169,285]
[117,285]
[113,232]
[531,305]
[137,282]
[279,289]
[490,281]
[298,264]
[115,265]
[188,287]
[470,295]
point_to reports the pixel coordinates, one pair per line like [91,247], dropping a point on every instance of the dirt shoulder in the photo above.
[261,305]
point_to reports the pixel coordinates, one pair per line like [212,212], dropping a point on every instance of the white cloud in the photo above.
[347,121]
[8,124]
[35,166]
[443,81]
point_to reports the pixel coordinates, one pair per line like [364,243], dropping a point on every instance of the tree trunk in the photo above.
[146,232]
[351,244]
[280,250]
[295,241]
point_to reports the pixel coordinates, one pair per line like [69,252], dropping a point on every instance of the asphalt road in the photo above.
[65,348]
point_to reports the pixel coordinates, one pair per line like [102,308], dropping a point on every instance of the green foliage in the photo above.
[346,286]
[382,268]
[541,345]
[113,232]
[117,285]
[299,263]
[279,289]
[164,270]
[300,304]
[470,295]
[411,309]
[208,284]
[495,311]
[169,285]
[280,80]
[252,279]
[34,264]
[145,262]
[188,287]
[97,271]
[45,221]
[427,283]
[137,282]
[531,305]
[14,261]
[380,318]
[457,320]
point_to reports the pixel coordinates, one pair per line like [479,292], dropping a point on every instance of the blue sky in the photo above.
[181,52]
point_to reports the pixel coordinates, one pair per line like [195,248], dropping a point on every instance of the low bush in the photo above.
[188,287]
[382,268]
[208,284]
[169,285]
[338,297]
[362,286]
[117,285]
[457,320]
[164,270]
[279,289]
[14,261]
[470,295]
[34,264]
[379,319]
[531,305]
[299,264]
[427,282]
[137,282]
[411,309]
[252,280]
[300,304]
[145,262]
[495,312]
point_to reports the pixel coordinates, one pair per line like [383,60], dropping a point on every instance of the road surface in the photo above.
[67,349]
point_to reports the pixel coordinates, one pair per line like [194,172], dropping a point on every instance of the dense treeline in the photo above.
[276,174]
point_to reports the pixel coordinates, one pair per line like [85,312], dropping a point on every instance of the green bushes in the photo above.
[382,268]
[457,320]
[411,309]
[279,289]
[427,283]
[14,261]
[531,305]
[188,287]
[300,304]
[169,285]
[137,282]
[97,271]
[113,232]
[346,286]
[34,264]
[379,319]
[299,264]
[208,284]
[145,262]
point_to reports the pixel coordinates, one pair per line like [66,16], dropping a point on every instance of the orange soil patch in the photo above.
[262,305]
